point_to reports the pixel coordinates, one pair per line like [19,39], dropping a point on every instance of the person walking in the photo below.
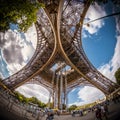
[98,114]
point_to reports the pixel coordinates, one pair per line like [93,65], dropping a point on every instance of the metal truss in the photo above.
[44,49]
[59,47]
[71,42]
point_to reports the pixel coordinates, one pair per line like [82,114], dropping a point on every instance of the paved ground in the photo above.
[114,114]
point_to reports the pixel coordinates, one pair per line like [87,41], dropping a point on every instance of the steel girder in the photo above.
[45,47]
[70,36]
[59,27]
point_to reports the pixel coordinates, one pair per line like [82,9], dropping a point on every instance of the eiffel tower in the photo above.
[59,62]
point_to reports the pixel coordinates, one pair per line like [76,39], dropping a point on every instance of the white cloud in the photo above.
[30,90]
[73,90]
[1,76]
[31,36]
[88,95]
[95,11]
[17,48]
[27,52]
[110,68]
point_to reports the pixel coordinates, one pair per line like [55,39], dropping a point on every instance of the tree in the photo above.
[33,100]
[64,106]
[117,76]
[50,105]
[19,12]
[72,107]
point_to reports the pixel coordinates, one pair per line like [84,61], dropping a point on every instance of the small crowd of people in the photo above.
[116,99]
[80,112]
[50,114]
[102,112]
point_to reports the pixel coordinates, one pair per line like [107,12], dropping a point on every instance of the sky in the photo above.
[101,43]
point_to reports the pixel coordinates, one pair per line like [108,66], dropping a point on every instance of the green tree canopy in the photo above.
[72,107]
[34,100]
[19,12]
[117,76]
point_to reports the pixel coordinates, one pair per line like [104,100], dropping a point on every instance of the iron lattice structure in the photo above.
[59,62]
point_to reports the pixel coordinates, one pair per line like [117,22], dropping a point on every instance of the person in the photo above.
[80,112]
[58,112]
[40,114]
[10,103]
[98,113]
[50,115]
[105,111]
[73,113]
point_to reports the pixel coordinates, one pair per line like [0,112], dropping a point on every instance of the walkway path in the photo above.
[114,114]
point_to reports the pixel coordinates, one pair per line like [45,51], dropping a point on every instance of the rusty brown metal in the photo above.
[59,46]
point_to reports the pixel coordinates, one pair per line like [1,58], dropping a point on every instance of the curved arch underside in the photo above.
[59,50]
